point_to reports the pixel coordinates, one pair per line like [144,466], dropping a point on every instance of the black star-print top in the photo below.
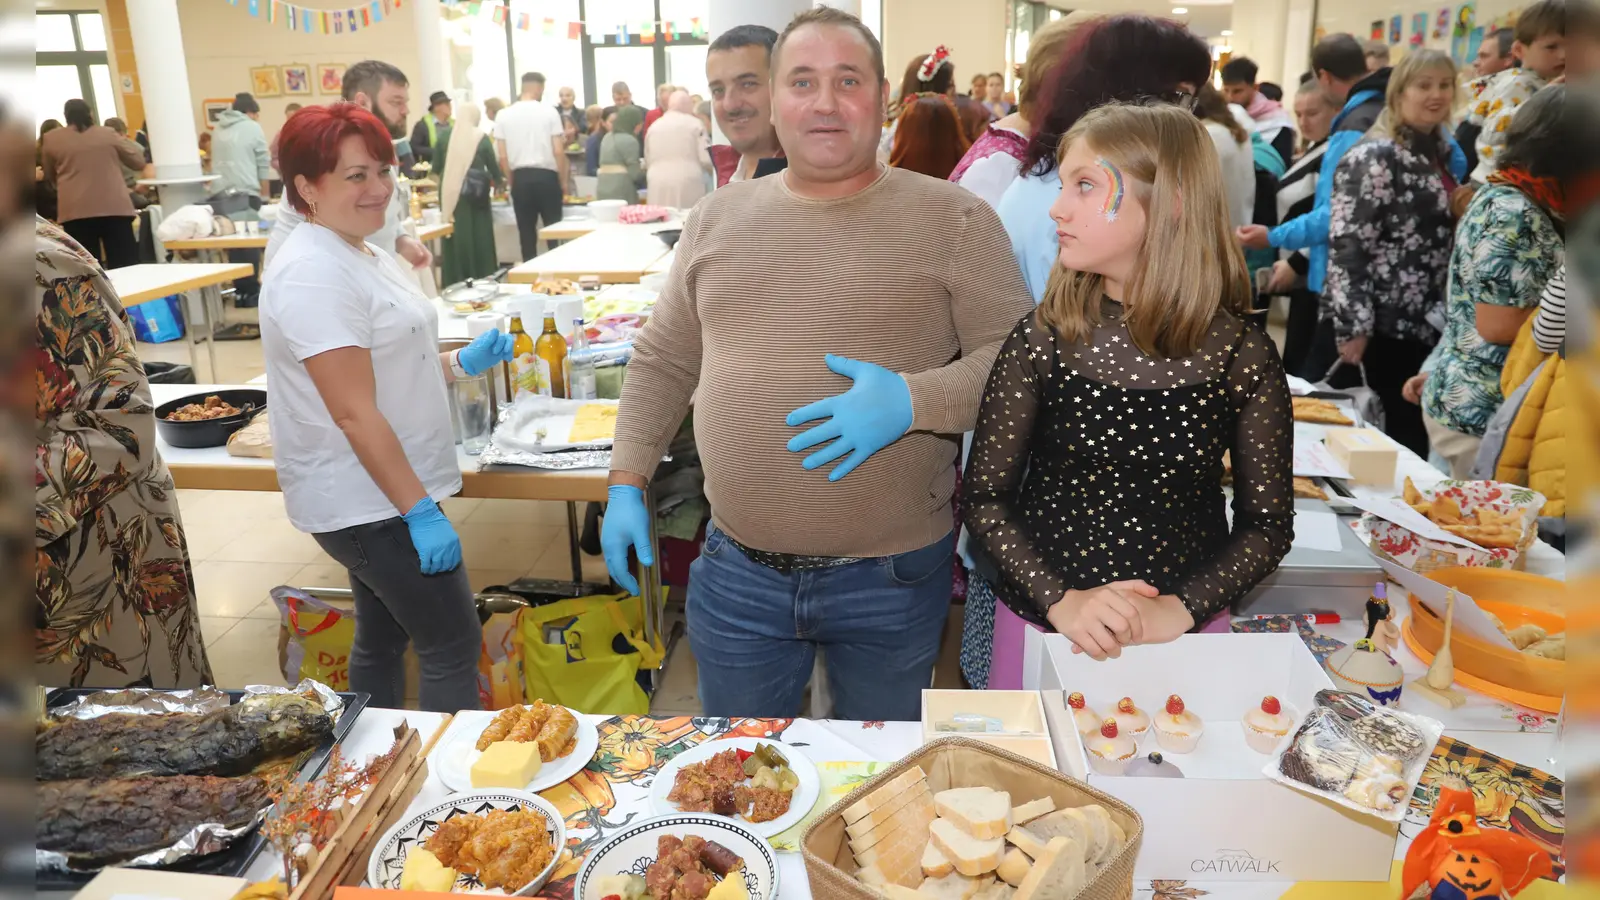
[1095,463]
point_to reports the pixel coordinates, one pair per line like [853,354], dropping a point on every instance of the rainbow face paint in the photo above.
[1114,191]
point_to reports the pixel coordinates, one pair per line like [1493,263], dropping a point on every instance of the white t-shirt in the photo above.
[322,294]
[1238,174]
[528,127]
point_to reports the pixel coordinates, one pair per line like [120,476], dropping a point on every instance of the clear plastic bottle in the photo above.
[580,365]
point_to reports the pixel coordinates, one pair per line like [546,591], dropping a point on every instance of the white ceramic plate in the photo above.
[455,759]
[805,796]
[633,849]
[389,855]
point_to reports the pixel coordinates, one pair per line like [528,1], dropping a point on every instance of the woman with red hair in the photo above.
[360,419]
[930,138]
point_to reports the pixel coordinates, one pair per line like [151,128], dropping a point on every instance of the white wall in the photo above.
[224,42]
[974,30]
[1356,17]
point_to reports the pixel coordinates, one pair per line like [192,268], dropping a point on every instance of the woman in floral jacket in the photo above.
[1389,238]
[116,594]
[1507,249]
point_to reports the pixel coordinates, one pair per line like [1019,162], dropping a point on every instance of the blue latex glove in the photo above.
[486,349]
[626,526]
[435,538]
[870,416]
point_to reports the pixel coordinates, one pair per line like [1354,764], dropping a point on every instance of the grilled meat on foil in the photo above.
[100,821]
[232,741]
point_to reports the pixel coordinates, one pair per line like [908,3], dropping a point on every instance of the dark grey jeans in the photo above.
[395,604]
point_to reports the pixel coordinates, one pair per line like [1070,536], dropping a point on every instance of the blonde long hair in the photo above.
[1190,267]
[1409,69]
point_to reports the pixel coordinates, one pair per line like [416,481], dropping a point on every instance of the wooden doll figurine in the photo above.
[1381,630]
[1455,858]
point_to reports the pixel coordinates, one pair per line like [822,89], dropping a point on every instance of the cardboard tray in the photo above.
[954,762]
[235,859]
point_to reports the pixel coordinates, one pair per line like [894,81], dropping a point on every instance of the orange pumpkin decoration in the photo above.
[1459,858]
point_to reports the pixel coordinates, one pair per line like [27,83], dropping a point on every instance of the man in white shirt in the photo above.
[381,89]
[529,140]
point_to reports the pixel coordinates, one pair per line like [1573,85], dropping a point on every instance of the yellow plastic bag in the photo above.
[500,676]
[569,657]
[314,639]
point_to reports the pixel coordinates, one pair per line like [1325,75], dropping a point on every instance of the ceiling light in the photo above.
[1180,10]
[1226,32]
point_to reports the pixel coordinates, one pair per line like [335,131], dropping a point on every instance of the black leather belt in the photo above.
[788,563]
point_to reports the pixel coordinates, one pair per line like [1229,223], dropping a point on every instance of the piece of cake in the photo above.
[1131,720]
[1110,751]
[1266,725]
[1087,721]
[1177,729]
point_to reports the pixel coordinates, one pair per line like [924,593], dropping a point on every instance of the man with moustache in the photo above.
[738,68]
[815,322]
[379,88]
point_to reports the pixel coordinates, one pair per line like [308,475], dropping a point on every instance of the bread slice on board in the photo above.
[934,863]
[972,856]
[1027,812]
[1014,867]
[884,794]
[1058,873]
[1026,841]
[916,814]
[984,813]
[865,825]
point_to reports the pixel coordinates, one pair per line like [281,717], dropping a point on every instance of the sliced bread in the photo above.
[1014,867]
[1115,836]
[998,891]
[916,814]
[884,794]
[898,892]
[971,856]
[1027,841]
[1059,873]
[898,858]
[1027,812]
[953,887]
[1098,824]
[984,813]
[1067,823]
[934,863]
[865,825]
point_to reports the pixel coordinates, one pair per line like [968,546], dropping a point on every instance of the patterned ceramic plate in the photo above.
[389,858]
[805,796]
[632,851]
[456,758]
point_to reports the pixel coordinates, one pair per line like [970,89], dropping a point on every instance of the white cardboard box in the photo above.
[1020,713]
[1224,820]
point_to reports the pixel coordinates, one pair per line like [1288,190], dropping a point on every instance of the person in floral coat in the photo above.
[115,590]
[1389,239]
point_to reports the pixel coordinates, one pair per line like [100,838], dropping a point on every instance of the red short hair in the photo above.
[930,137]
[309,143]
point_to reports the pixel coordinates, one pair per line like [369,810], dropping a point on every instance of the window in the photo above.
[71,63]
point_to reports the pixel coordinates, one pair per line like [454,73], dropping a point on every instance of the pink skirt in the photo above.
[1005,660]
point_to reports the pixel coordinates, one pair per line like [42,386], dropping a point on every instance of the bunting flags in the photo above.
[311,20]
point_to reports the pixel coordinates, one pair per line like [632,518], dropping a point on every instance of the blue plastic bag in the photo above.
[157,321]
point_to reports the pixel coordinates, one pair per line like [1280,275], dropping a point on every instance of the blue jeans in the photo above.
[755,631]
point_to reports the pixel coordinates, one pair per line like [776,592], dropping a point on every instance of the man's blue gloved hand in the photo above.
[435,538]
[485,350]
[870,416]
[626,525]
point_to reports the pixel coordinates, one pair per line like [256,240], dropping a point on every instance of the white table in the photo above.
[150,281]
[616,253]
[244,241]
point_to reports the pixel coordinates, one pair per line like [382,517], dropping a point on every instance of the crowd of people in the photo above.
[1074,281]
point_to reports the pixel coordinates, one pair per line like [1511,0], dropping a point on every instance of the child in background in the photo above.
[1095,482]
[1541,44]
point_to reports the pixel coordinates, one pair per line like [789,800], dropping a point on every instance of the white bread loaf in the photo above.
[916,814]
[863,827]
[1014,867]
[972,856]
[1027,812]
[1057,874]
[884,794]
[984,813]
[898,858]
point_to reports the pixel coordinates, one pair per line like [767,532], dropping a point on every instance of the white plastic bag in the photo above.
[186,224]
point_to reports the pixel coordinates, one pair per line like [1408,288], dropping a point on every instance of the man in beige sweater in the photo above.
[905,285]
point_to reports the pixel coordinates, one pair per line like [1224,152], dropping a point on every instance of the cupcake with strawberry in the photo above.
[1083,717]
[1177,729]
[1266,725]
[1110,750]
[1131,720]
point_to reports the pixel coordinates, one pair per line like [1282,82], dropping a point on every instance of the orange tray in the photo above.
[1517,598]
